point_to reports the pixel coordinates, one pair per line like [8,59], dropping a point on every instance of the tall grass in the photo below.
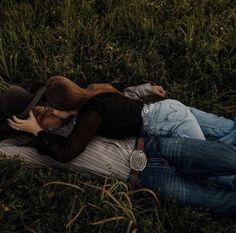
[187,46]
[43,199]
[37,199]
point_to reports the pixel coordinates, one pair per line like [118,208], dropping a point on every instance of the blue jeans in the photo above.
[170,118]
[179,168]
[216,127]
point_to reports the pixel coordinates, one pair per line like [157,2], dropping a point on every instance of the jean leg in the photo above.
[195,157]
[216,127]
[228,182]
[221,129]
[171,118]
[209,158]
[187,190]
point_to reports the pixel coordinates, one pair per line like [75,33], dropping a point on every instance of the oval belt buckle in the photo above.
[138,160]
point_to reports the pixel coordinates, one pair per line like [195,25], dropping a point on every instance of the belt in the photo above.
[138,161]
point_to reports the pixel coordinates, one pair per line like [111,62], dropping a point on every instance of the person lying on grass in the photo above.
[102,110]
[193,172]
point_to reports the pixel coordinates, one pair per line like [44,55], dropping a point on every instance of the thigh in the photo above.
[228,182]
[212,124]
[195,157]
[187,190]
[171,118]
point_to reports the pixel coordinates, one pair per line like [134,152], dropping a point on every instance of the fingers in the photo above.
[29,125]
[48,110]
[159,90]
[17,120]
[16,123]
[13,124]
[162,94]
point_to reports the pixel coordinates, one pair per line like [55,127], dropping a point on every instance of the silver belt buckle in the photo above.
[138,160]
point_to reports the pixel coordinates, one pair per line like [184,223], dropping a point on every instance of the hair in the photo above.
[64,94]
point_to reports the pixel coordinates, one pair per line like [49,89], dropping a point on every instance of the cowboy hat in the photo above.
[18,101]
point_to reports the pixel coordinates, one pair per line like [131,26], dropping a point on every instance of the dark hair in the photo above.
[64,94]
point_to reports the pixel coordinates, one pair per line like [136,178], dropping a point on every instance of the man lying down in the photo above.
[184,169]
[102,157]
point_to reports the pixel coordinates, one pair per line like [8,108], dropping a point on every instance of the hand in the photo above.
[158,90]
[29,125]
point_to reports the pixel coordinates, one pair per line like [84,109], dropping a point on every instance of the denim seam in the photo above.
[211,127]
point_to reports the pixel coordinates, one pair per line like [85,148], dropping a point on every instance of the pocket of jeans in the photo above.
[177,113]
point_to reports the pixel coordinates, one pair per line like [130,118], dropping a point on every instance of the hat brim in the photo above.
[33,102]
[5,127]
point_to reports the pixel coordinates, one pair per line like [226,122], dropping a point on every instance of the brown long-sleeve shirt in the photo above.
[110,115]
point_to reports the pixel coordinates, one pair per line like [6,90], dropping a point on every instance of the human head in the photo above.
[47,120]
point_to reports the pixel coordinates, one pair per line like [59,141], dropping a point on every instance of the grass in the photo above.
[51,200]
[187,46]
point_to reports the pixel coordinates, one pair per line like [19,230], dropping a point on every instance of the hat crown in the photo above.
[15,100]
[18,101]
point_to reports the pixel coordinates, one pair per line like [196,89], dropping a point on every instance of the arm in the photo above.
[143,90]
[64,149]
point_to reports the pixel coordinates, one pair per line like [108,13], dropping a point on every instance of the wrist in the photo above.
[152,89]
[36,131]
[148,88]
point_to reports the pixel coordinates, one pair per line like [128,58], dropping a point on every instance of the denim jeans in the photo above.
[170,118]
[216,127]
[180,167]
[209,180]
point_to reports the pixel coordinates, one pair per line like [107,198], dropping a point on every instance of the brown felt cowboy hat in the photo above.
[19,102]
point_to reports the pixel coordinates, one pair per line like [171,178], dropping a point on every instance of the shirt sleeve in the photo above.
[64,149]
[137,92]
